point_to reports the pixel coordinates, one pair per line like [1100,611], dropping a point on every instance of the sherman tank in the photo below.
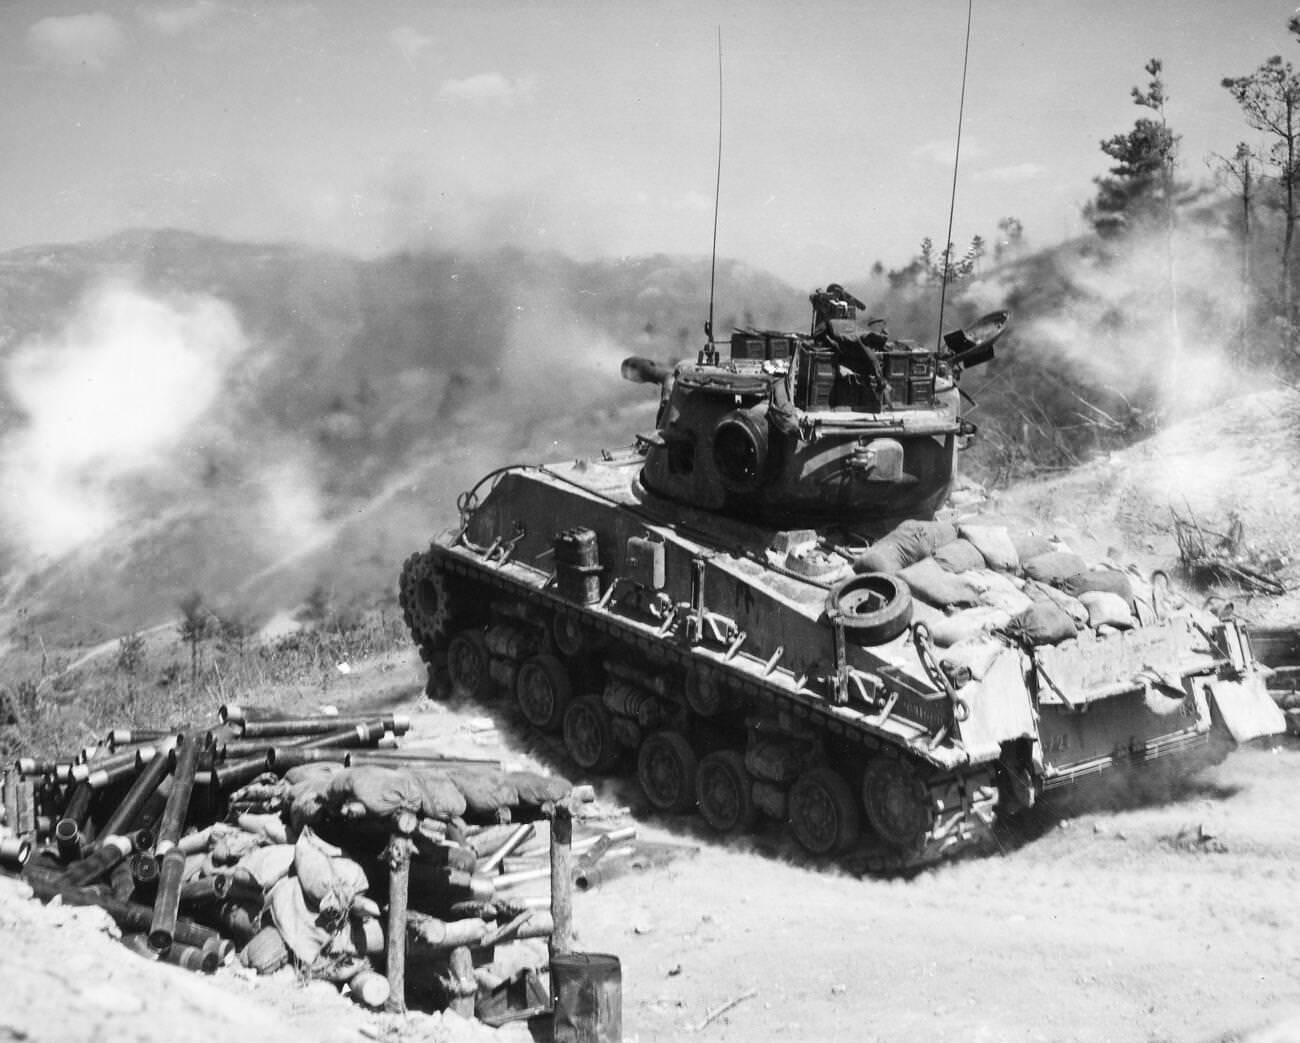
[763,608]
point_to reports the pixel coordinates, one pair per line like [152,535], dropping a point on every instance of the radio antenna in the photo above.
[717,194]
[956,163]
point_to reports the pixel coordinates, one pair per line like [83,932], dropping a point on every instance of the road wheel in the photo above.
[570,636]
[823,812]
[543,691]
[704,692]
[897,803]
[665,767]
[725,792]
[423,597]
[467,665]
[875,607]
[589,735]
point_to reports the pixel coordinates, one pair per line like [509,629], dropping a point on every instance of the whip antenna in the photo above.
[956,163]
[717,193]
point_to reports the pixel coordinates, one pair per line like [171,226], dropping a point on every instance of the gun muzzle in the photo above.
[645,371]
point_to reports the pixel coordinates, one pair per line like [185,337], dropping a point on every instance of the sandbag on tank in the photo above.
[905,545]
[1055,567]
[1039,591]
[1107,609]
[967,624]
[929,582]
[1109,580]
[994,544]
[1043,623]
[959,556]
[1030,544]
[998,590]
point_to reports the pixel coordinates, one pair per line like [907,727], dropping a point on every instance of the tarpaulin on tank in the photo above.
[1247,709]
[999,711]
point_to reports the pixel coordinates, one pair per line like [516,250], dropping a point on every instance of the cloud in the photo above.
[172,21]
[79,41]
[488,87]
[1011,174]
[411,42]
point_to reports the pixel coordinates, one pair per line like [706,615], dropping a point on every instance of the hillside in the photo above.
[1237,459]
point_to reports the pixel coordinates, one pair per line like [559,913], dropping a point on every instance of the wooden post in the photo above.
[562,880]
[462,986]
[399,884]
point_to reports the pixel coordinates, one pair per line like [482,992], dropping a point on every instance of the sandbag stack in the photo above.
[988,576]
[274,842]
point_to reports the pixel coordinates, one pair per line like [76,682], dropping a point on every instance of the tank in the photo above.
[760,608]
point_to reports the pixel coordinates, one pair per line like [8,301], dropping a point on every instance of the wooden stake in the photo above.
[399,885]
[562,880]
[462,985]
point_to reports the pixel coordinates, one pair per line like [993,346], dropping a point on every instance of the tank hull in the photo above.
[746,670]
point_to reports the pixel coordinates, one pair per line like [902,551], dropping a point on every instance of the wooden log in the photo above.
[399,885]
[561,880]
[370,989]
[531,923]
[442,935]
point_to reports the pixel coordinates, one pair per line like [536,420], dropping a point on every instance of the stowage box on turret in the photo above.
[755,608]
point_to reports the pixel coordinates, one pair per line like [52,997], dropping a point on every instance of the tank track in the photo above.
[487,638]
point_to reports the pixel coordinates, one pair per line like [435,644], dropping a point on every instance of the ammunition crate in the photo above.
[759,347]
[816,379]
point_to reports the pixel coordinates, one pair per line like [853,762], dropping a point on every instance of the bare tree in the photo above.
[196,626]
[1240,170]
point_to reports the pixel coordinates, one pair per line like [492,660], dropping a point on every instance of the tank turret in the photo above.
[842,423]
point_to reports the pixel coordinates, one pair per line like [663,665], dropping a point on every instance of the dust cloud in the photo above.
[109,397]
[1149,316]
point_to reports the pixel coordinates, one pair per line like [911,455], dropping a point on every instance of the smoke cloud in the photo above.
[108,398]
[1148,316]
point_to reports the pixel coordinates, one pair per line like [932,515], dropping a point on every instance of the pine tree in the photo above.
[1141,186]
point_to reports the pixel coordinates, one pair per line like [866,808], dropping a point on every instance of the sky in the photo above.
[592,127]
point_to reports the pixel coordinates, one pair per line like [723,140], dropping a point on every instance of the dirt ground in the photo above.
[1172,919]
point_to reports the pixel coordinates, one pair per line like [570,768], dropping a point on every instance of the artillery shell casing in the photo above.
[166,905]
[110,853]
[130,916]
[178,800]
[14,852]
[144,869]
[124,815]
[231,713]
[282,758]
[233,774]
[189,957]
[68,839]
[200,891]
[128,736]
[397,723]
[239,887]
